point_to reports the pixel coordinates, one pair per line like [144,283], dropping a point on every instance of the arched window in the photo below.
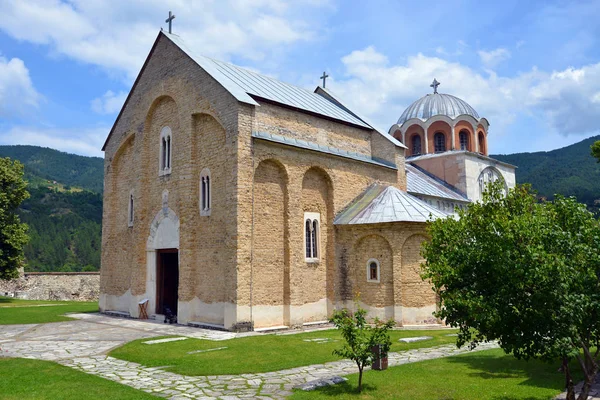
[205,192]
[481,139]
[130,210]
[439,142]
[488,175]
[373,271]
[416,145]
[463,138]
[166,144]
[311,236]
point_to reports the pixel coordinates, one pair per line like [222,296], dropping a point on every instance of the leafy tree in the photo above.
[13,233]
[360,338]
[596,150]
[523,272]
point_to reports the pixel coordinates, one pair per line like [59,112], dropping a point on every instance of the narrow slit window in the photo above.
[308,235]
[373,270]
[311,236]
[205,192]
[130,213]
[166,151]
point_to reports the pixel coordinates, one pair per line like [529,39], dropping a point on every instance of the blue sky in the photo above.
[532,68]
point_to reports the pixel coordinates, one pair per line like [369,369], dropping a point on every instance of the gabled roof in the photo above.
[419,181]
[248,87]
[242,82]
[381,203]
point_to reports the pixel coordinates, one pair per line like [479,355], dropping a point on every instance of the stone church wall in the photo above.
[172,90]
[77,286]
[401,293]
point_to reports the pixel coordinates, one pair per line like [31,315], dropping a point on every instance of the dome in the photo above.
[437,104]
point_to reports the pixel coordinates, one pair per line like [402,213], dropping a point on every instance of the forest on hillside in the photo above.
[570,171]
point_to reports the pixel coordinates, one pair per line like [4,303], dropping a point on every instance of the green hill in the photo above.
[43,166]
[64,212]
[570,171]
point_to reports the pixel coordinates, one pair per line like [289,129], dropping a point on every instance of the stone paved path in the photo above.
[83,345]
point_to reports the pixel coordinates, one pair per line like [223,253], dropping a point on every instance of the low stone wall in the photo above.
[78,286]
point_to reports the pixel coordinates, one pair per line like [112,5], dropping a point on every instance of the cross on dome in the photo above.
[435,85]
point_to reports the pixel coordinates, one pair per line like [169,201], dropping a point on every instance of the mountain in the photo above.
[64,211]
[570,171]
[44,164]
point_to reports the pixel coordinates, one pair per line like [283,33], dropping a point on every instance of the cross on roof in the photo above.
[434,85]
[170,20]
[324,77]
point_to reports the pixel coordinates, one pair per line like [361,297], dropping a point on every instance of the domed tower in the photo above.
[440,122]
[447,138]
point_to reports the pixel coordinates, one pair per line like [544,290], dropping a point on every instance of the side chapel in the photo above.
[234,198]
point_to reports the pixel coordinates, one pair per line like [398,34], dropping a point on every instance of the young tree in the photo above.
[360,337]
[524,273]
[596,149]
[13,233]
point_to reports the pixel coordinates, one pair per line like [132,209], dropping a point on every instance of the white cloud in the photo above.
[494,57]
[17,94]
[109,102]
[116,34]
[87,142]
[567,101]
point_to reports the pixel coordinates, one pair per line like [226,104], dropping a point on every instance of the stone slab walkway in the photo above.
[83,345]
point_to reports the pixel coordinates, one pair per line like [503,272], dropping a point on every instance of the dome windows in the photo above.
[416,145]
[439,142]
[463,138]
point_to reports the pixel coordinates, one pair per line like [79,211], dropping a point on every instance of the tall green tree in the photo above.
[596,149]
[13,233]
[524,273]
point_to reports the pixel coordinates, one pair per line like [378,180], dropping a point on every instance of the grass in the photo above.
[484,375]
[35,379]
[255,354]
[18,311]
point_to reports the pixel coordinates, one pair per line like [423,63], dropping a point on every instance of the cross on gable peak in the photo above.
[170,20]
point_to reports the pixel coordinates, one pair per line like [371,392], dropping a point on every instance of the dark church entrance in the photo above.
[167,280]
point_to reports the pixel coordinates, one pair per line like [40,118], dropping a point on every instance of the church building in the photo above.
[235,199]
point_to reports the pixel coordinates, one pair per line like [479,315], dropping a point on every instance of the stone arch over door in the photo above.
[378,297]
[417,297]
[270,297]
[314,280]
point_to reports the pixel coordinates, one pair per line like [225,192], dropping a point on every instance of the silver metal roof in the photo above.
[437,104]
[418,181]
[381,203]
[243,84]
[321,148]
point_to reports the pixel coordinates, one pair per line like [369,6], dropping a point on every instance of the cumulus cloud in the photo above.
[109,102]
[568,100]
[17,94]
[116,34]
[494,57]
[87,142]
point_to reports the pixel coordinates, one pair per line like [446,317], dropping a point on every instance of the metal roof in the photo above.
[434,104]
[419,181]
[322,148]
[243,83]
[381,203]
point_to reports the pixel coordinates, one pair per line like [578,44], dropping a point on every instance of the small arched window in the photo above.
[416,145]
[439,142]
[205,192]
[373,270]
[311,236]
[166,144]
[481,139]
[463,138]
[130,210]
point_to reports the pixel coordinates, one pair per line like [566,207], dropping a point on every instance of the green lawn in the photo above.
[34,379]
[253,354]
[17,311]
[485,375]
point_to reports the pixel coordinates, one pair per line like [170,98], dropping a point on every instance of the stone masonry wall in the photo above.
[78,286]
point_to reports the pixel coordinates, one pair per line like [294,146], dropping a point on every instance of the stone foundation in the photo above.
[78,286]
